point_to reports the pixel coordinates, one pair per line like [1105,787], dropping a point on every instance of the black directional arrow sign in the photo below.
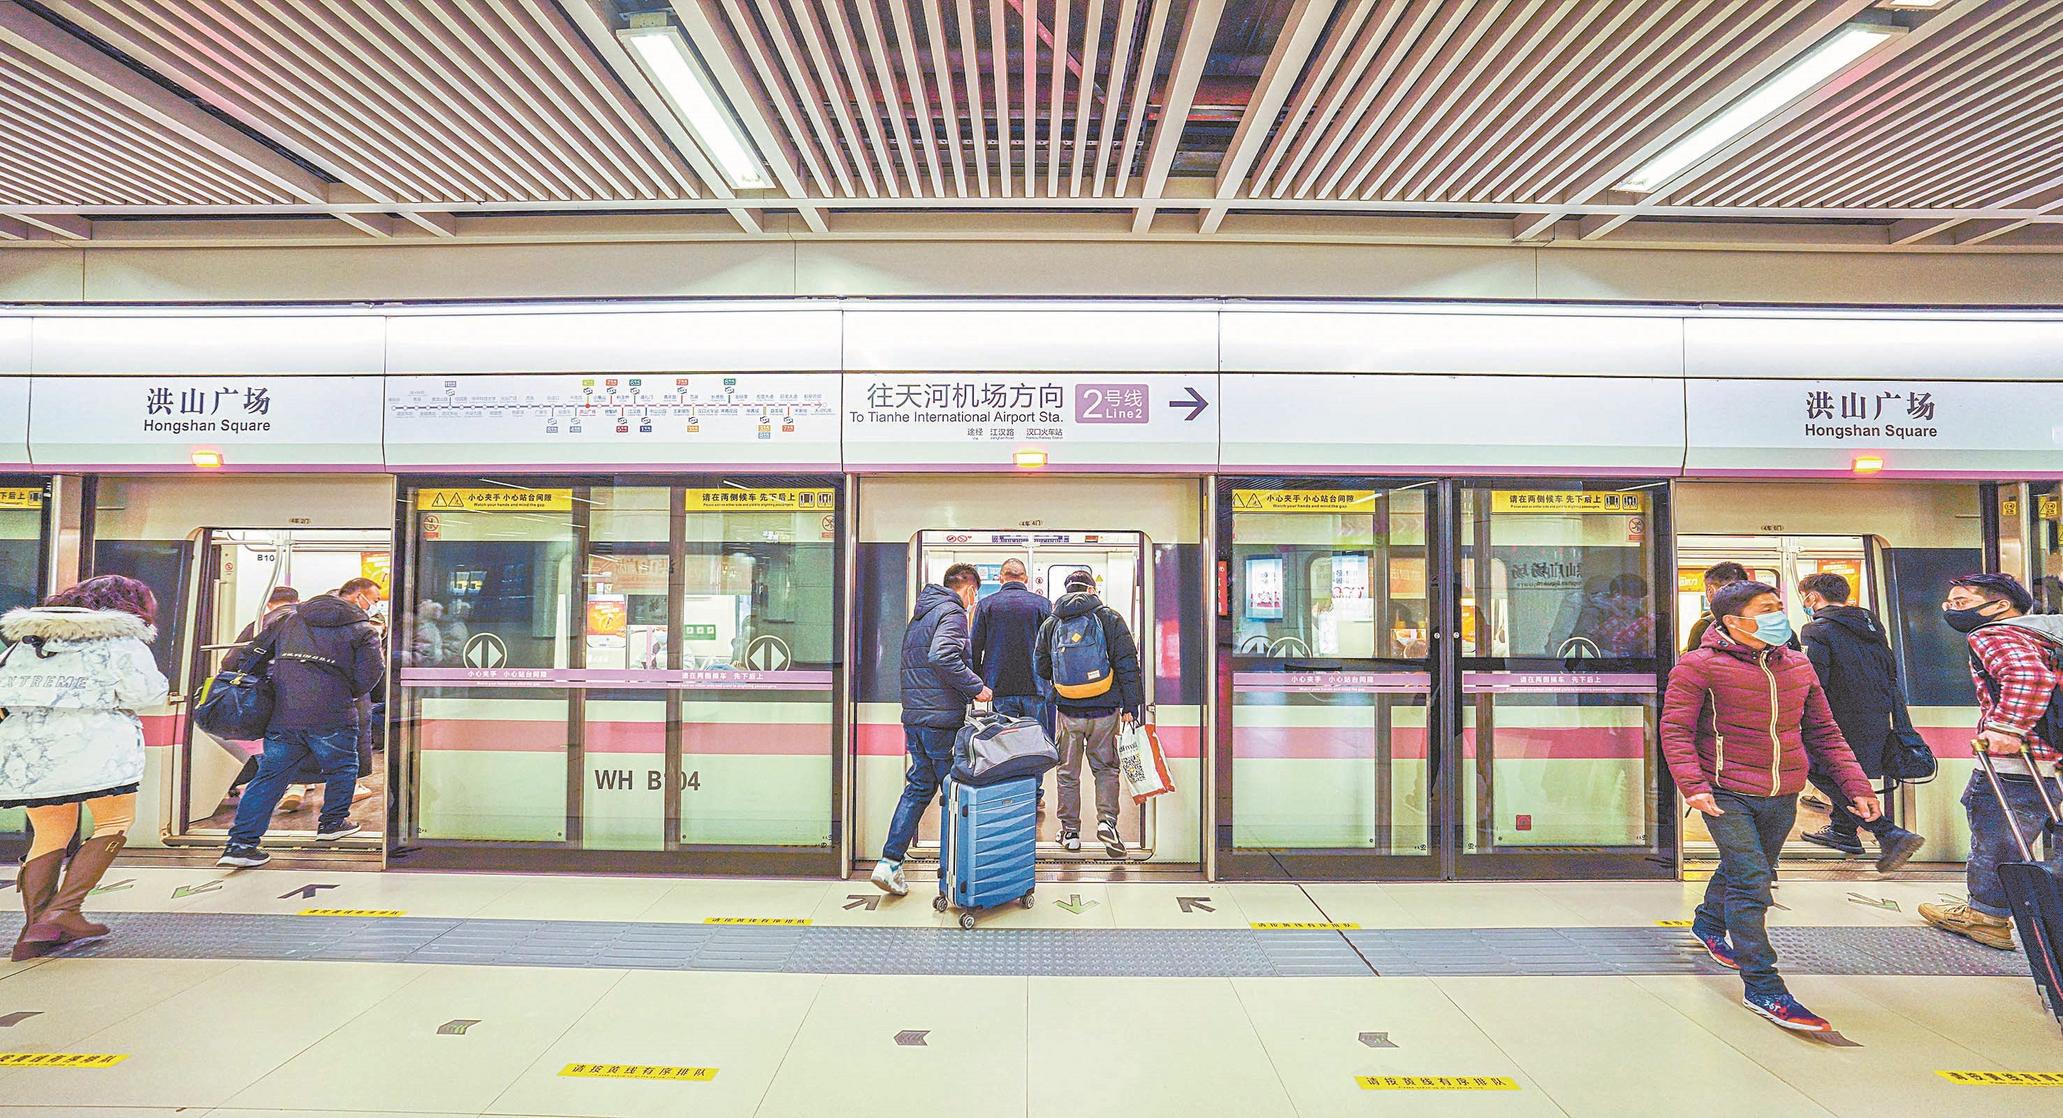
[1194,904]
[861,900]
[912,1038]
[306,892]
[10,1020]
[1195,403]
[1378,1040]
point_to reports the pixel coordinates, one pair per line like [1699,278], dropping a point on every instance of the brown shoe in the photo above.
[36,882]
[61,921]
[1989,930]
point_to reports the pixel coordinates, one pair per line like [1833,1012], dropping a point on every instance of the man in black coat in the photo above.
[326,655]
[1852,654]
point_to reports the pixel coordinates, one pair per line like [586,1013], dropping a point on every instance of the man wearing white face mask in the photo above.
[1742,720]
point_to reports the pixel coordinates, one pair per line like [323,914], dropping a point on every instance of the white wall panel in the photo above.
[1876,345]
[1943,429]
[1452,340]
[1139,337]
[121,344]
[800,337]
[14,421]
[1336,423]
[14,345]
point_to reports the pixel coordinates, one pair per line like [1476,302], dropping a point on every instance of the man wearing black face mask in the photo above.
[2013,661]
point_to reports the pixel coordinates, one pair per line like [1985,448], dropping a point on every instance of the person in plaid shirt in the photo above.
[2013,662]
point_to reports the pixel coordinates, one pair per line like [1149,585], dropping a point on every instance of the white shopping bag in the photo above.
[1140,759]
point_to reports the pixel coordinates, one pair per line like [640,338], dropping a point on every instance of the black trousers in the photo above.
[1845,821]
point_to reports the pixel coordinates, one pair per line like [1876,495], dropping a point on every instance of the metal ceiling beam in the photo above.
[1286,64]
[724,57]
[1867,65]
[1656,143]
[597,28]
[70,228]
[1193,47]
[60,50]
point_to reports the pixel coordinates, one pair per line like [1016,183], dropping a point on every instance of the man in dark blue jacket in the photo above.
[326,655]
[938,682]
[1006,630]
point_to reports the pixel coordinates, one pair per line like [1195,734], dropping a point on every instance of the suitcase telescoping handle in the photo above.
[1998,788]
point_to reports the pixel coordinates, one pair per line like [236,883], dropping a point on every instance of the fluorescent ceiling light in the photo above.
[681,78]
[1806,72]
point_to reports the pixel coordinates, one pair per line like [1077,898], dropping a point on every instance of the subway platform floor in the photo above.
[298,991]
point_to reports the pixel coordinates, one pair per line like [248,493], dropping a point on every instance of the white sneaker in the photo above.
[888,877]
[1112,844]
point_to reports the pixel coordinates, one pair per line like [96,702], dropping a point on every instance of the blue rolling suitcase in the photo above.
[988,846]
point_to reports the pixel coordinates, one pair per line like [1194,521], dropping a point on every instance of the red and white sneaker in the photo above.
[1787,1013]
[1720,950]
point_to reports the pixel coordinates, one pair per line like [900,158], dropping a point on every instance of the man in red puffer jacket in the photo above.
[1740,717]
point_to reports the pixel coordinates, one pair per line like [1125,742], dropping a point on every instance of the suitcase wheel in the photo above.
[1025,901]
[938,903]
[967,921]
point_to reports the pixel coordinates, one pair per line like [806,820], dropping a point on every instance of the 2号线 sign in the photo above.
[1073,419]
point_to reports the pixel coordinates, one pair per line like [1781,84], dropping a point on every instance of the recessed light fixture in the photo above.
[1804,73]
[1030,459]
[207,459]
[678,73]
[1867,463]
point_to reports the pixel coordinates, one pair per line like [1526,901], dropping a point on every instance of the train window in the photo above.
[162,566]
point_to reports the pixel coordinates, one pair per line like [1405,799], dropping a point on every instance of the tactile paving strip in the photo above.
[1089,952]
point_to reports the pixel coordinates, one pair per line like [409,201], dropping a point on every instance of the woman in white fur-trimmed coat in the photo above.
[77,669]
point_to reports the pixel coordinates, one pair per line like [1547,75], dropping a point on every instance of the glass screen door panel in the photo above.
[1324,626]
[488,662]
[1561,646]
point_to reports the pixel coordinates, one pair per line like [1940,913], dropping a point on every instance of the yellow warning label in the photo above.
[1303,500]
[638,1071]
[2048,508]
[18,498]
[761,500]
[2004,1078]
[1436,1083]
[1302,926]
[1672,923]
[494,500]
[756,920]
[67,1059]
[1568,500]
[353,912]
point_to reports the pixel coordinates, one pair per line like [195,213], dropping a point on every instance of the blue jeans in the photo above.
[931,758]
[1991,842]
[1751,838]
[335,752]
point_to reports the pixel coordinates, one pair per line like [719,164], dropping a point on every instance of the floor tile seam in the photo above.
[1267,1053]
[1702,1025]
[229,1102]
[1862,991]
[1484,1032]
[801,1020]
[621,977]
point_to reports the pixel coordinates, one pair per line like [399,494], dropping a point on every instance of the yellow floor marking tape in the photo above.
[61,1059]
[638,1071]
[1302,926]
[1672,923]
[353,912]
[757,920]
[2004,1078]
[1436,1083]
